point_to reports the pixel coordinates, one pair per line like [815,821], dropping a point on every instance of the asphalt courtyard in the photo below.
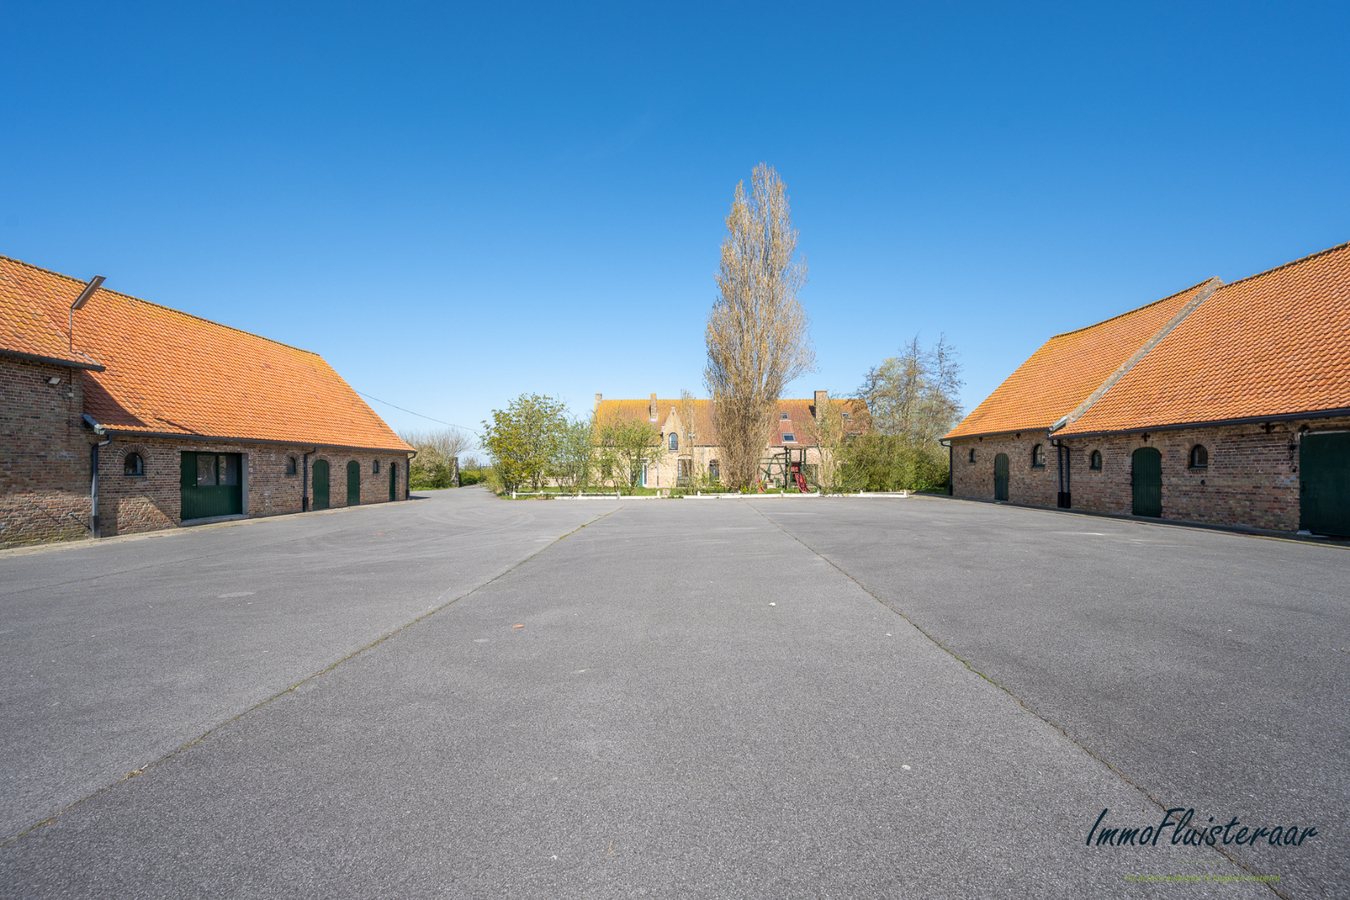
[841,697]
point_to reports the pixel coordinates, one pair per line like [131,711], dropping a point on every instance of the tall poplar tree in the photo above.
[758,334]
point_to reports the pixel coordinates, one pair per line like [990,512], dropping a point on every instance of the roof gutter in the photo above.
[1218,423]
[52,360]
[223,439]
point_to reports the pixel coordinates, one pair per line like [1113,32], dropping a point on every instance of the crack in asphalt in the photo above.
[1020,702]
[325,670]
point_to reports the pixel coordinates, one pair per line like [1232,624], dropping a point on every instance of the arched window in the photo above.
[972,454]
[1038,456]
[290,465]
[714,470]
[375,467]
[1199,457]
[1095,460]
[133,464]
[674,441]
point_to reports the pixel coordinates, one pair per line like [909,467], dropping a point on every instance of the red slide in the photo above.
[801,481]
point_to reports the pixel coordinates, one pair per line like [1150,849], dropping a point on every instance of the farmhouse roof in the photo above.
[800,414]
[169,373]
[1276,344]
[1064,374]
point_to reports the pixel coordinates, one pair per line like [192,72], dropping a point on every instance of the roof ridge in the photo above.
[180,312]
[1198,284]
[1292,262]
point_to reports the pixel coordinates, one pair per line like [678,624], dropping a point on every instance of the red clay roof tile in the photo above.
[1068,368]
[169,372]
[1273,344]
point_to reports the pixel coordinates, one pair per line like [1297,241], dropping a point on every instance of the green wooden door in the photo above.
[1001,477]
[1324,483]
[353,483]
[1146,478]
[320,484]
[393,481]
[210,485]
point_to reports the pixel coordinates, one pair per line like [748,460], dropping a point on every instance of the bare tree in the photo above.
[758,334]
[436,464]
[829,431]
[914,395]
[688,466]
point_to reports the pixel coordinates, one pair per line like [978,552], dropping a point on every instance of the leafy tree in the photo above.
[523,439]
[758,334]
[574,454]
[911,401]
[626,446]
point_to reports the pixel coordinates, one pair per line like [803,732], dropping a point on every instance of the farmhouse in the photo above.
[691,450]
[120,416]
[1224,403]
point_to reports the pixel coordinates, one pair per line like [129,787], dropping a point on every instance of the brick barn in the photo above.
[1226,404]
[121,416]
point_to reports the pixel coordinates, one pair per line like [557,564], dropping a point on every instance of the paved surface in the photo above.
[707,699]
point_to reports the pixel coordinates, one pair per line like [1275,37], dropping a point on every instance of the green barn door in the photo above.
[393,481]
[1001,477]
[353,483]
[320,484]
[210,485]
[1146,477]
[1324,483]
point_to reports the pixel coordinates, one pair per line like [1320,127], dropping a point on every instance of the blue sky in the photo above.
[455,205]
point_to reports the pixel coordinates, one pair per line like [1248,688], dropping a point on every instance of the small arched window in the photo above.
[290,465]
[972,454]
[1199,457]
[133,464]
[1038,456]
[375,467]
[714,470]
[1095,460]
[674,441]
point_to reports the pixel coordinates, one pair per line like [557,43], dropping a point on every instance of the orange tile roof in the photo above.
[800,412]
[168,372]
[1069,367]
[27,330]
[1273,344]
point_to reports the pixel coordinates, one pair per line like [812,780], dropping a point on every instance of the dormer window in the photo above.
[784,416]
[789,438]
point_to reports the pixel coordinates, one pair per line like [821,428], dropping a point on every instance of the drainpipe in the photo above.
[1065,499]
[304,481]
[407,475]
[93,472]
[951,475]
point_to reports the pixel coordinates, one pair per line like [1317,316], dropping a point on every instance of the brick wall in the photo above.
[129,503]
[44,457]
[1028,484]
[1251,478]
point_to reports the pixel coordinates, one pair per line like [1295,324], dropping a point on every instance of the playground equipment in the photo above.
[780,469]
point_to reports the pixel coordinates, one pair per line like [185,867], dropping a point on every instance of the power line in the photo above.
[410,412]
